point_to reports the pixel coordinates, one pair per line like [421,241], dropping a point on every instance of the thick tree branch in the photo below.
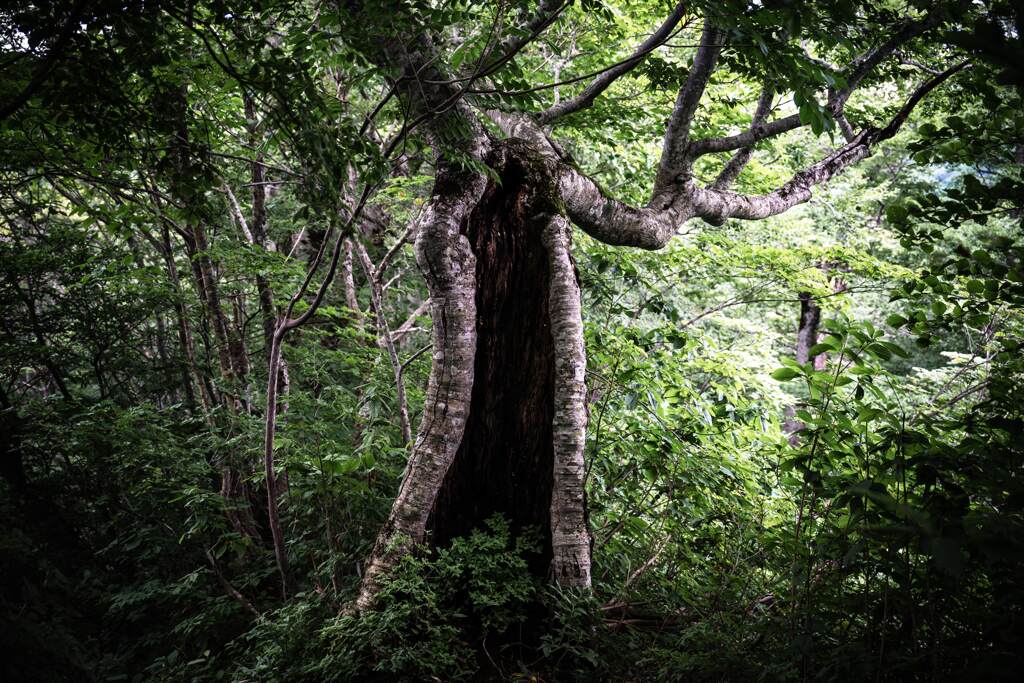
[651,227]
[855,72]
[746,138]
[606,219]
[675,159]
[449,267]
[715,206]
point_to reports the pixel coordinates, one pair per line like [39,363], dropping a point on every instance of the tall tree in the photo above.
[493,249]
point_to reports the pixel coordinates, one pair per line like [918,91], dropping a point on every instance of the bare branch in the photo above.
[746,138]
[732,169]
[393,251]
[410,322]
[236,213]
[651,227]
[547,12]
[373,276]
[586,98]
[229,589]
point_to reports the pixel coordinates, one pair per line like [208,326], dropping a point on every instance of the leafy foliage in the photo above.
[171,172]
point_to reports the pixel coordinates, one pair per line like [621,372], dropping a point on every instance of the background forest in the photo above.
[804,440]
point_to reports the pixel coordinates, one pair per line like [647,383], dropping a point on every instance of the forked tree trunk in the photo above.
[518,450]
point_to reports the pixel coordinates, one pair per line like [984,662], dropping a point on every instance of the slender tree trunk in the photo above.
[234,368]
[276,533]
[348,282]
[385,338]
[806,337]
[206,286]
[206,392]
[449,267]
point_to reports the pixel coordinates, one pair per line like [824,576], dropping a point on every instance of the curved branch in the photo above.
[863,65]
[855,72]
[604,218]
[746,138]
[651,227]
[717,205]
[586,98]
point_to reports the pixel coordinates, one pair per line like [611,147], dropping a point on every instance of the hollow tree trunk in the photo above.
[519,418]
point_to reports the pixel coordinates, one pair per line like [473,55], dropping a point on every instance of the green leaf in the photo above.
[785,374]
[821,348]
[896,213]
[896,320]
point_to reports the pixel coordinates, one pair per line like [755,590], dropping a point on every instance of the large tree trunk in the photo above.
[505,457]
[525,417]
[448,264]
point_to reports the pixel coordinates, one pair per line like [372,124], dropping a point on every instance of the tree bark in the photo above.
[806,337]
[234,368]
[506,436]
[505,458]
[570,534]
[444,255]
[503,420]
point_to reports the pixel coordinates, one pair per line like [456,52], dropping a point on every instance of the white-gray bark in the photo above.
[570,537]
[449,267]
[437,103]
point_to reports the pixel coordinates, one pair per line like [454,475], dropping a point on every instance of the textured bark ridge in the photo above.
[570,535]
[449,267]
[504,416]
[505,461]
